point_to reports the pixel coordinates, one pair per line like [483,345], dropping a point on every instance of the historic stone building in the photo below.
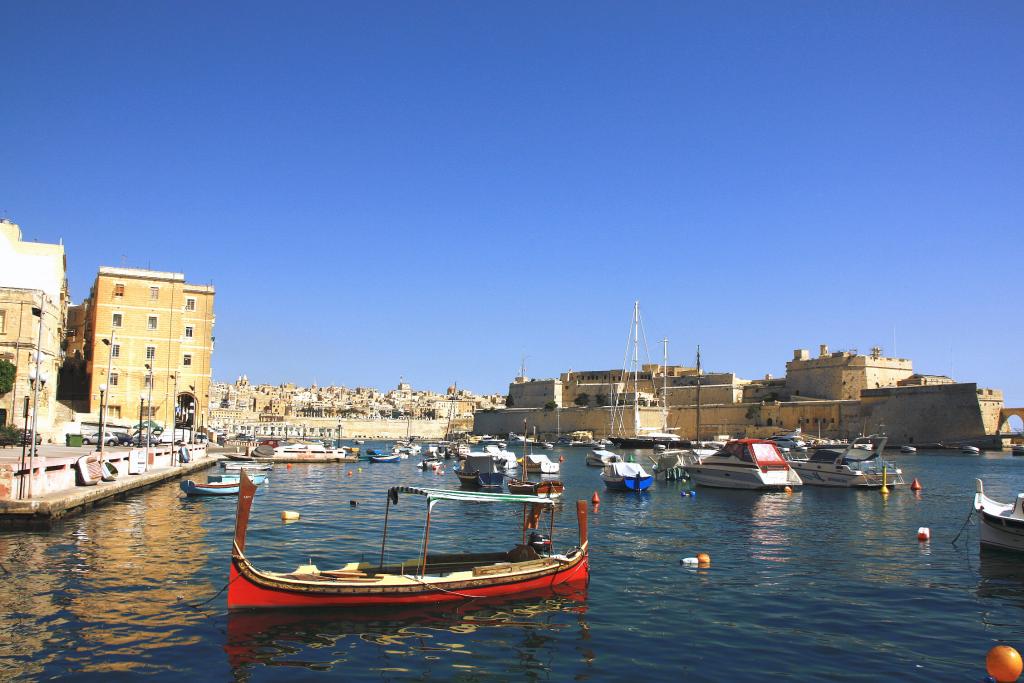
[33,308]
[839,394]
[148,339]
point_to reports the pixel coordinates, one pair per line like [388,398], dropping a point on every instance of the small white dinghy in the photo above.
[970,450]
[1001,524]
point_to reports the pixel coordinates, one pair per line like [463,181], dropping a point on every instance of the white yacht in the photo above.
[745,464]
[860,465]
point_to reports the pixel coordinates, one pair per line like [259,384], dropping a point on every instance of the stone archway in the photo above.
[185,411]
[1004,418]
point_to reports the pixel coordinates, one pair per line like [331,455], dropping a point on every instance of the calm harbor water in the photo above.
[818,585]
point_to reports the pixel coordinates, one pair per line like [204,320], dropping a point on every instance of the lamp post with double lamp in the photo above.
[103,424]
[103,388]
[37,377]
[149,402]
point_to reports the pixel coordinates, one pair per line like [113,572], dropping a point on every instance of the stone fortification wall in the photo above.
[843,375]
[535,393]
[917,414]
[709,395]
[929,414]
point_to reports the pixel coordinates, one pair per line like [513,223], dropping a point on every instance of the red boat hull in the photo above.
[246,593]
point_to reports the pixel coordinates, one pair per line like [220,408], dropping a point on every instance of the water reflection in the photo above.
[420,638]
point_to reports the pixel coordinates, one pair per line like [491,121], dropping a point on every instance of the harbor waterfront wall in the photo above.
[950,414]
[327,428]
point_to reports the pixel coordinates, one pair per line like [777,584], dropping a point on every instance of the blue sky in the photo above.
[437,189]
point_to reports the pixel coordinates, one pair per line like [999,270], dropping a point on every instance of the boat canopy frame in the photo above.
[532,508]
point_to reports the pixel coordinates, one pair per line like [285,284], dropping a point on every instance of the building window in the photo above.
[117,320]
[188,331]
[115,351]
[114,412]
[154,293]
[3,322]
[190,304]
[187,360]
[113,379]
[151,322]
[150,352]
[119,290]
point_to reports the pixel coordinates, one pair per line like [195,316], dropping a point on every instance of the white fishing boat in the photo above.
[745,464]
[602,458]
[970,450]
[859,465]
[1001,524]
[539,462]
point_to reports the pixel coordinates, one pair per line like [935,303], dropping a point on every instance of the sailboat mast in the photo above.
[664,390]
[636,361]
[698,393]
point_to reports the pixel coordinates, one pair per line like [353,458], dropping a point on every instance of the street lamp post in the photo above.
[149,402]
[103,389]
[103,424]
[37,378]
[142,401]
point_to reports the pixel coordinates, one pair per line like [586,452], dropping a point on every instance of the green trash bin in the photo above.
[73,440]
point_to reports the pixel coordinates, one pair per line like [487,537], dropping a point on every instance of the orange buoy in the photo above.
[915,485]
[561,458]
[595,499]
[924,533]
[703,559]
[289,466]
[789,490]
[350,473]
[1004,663]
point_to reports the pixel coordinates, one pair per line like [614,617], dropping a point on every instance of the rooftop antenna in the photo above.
[124,260]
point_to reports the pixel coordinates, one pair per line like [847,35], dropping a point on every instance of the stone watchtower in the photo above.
[843,375]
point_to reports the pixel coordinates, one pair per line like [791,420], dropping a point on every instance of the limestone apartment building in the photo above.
[33,310]
[147,336]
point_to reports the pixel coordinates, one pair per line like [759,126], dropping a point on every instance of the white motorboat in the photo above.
[745,464]
[539,462]
[970,450]
[601,458]
[860,465]
[300,447]
[505,459]
[908,449]
[1001,524]
[790,441]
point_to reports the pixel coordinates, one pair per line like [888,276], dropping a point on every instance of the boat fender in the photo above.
[915,485]
[924,533]
[289,516]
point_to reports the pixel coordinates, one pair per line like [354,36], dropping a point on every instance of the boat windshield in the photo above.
[767,455]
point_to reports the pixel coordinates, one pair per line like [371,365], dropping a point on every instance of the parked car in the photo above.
[92,438]
[123,438]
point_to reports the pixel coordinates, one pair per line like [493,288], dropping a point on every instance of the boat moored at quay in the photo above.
[859,465]
[429,579]
[1001,524]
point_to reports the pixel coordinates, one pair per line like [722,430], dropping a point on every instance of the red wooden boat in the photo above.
[429,579]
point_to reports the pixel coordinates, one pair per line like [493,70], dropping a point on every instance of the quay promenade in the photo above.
[56,493]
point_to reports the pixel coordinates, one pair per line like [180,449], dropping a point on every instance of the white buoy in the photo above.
[690,561]
[289,516]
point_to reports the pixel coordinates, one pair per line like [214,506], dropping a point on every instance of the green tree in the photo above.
[582,400]
[550,405]
[6,376]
